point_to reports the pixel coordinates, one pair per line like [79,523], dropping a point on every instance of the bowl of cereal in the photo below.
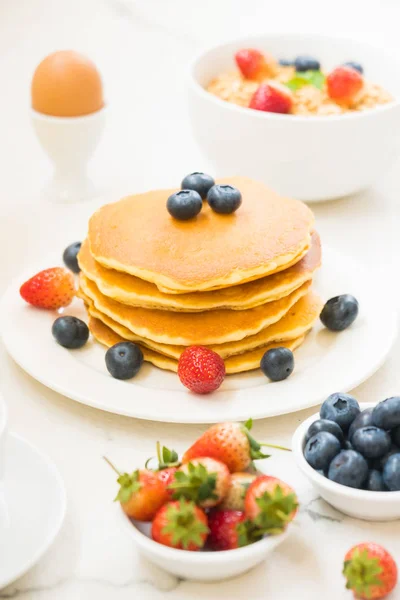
[314,117]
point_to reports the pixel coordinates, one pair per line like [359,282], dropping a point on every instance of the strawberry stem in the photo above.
[108,461]
[275,446]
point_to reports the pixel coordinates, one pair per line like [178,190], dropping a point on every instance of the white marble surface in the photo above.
[142,48]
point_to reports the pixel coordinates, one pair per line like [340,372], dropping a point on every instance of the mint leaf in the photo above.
[314,78]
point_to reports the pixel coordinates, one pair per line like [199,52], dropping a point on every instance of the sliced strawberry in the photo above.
[344,83]
[255,65]
[272,97]
[50,289]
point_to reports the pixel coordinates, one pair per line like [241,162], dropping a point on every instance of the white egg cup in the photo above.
[69,142]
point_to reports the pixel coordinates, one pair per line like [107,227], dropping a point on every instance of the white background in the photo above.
[142,49]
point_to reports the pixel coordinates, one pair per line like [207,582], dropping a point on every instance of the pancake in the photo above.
[133,291]
[138,236]
[236,364]
[177,328]
[297,322]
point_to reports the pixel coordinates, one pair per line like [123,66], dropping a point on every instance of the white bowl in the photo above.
[306,157]
[361,504]
[200,566]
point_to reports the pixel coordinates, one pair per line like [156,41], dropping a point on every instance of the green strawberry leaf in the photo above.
[314,78]
[361,572]
[196,485]
[166,457]
[184,525]
[129,485]
[276,510]
[249,424]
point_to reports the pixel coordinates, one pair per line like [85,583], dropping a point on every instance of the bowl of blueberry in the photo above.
[350,452]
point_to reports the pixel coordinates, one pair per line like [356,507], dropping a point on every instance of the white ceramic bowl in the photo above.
[361,504]
[200,566]
[309,158]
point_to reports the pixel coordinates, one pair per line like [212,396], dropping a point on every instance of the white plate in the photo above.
[327,362]
[32,508]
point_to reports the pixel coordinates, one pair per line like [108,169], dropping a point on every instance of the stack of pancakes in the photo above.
[239,284]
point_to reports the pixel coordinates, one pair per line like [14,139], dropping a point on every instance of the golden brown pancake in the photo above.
[138,236]
[212,327]
[133,291]
[297,322]
[235,364]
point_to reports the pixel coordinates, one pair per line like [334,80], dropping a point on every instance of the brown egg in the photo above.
[66,84]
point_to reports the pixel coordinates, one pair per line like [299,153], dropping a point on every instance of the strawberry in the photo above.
[270,504]
[168,463]
[370,571]
[255,65]
[51,289]
[201,370]
[231,443]
[344,83]
[238,486]
[224,530]
[203,480]
[180,524]
[272,97]
[141,493]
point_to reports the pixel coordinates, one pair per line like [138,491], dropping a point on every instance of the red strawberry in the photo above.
[51,289]
[370,571]
[180,524]
[231,443]
[168,463]
[167,476]
[203,480]
[224,531]
[255,65]
[272,97]
[141,493]
[344,83]
[234,498]
[270,504]
[201,370]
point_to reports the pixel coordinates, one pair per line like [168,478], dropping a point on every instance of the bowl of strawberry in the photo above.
[209,515]
[350,452]
[287,109]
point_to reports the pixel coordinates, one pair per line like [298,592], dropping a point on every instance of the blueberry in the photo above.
[184,205]
[277,364]
[325,425]
[348,445]
[386,414]
[321,449]
[354,65]
[349,468]
[363,419]
[123,360]
[284,62]
[396,435]
[70,332]
[374,481]
[341,408]
[391,473]
[339,312]
[371,441]
[70,256]
[224,199]
[199,182]
[379,463]
[306,63]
